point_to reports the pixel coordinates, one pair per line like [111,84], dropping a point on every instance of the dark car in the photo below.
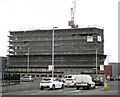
[99,81]
[111,78]
[117,78]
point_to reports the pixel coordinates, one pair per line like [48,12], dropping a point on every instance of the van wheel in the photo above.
[94,87]
[89,86]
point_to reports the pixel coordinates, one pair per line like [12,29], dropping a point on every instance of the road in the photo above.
[111,90]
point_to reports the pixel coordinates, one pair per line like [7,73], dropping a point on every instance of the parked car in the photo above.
[69,82]
[69,76]
[111,78]
[99,81]
[117,78]
[84,81]
[51,83]
[26,79]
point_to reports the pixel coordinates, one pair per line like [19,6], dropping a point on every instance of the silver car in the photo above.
[26,78]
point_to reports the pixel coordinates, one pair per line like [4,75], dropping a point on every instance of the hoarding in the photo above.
[50,68]
[101,67]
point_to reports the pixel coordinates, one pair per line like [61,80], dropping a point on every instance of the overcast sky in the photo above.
[39,14]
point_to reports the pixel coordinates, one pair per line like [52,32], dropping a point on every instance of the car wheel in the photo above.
[74,85]
[42,88]
[94,87]
[77,88]
[83,88]
[53,87]
[62,86]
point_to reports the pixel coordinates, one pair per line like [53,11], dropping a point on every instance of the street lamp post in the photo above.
[108,58]
[28,60]
[53,51]
[96,61]
[28,51]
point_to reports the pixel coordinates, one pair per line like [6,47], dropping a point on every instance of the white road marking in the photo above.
[113,91]
[73,91]
[38,92]
[20,92]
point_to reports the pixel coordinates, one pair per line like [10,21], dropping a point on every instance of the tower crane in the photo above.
[71,23]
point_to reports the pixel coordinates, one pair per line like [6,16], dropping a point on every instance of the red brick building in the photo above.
[108,70]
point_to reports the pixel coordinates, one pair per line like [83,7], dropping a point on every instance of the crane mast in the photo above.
[71,23]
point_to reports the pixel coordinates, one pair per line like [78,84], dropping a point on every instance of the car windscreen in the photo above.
[69,76]
[45,81]
[68,79]
[26,77]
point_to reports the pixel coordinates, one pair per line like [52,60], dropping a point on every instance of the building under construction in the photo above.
[76,51]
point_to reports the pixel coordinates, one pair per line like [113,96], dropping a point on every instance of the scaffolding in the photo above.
[74,48]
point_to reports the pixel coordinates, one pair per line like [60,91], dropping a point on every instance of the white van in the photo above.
[70,76]
[69,80]
[84,81]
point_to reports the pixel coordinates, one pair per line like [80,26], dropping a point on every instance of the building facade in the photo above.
[115,69]
[3,62]
[107,70]
[76,51]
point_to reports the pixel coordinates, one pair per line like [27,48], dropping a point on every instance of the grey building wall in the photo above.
[3,61]
[0,64]
[0,68]
[115,67]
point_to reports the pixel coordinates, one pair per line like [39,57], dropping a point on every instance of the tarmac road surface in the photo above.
[111,90]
